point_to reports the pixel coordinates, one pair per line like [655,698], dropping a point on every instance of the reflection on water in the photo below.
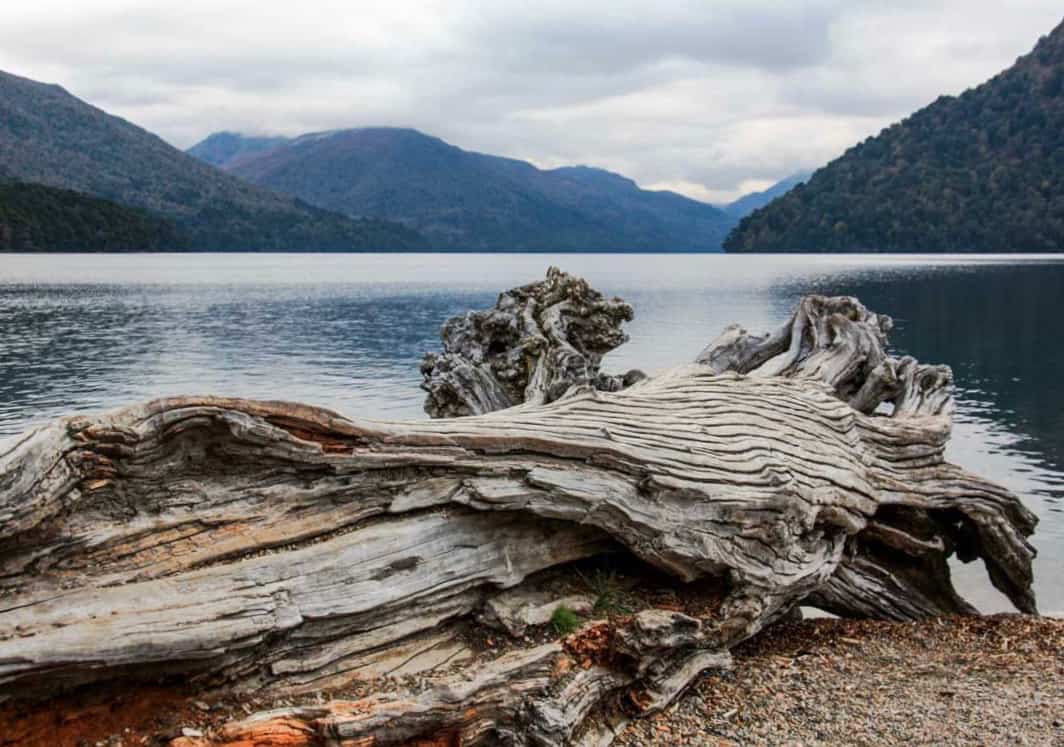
[347,331]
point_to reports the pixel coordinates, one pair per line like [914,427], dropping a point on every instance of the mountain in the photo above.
[48,136]
[981,172]
[461,200]
[224,148]
[755,200]
[35,218]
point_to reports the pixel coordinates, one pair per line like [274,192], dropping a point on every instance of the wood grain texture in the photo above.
[896,568]
[280,548]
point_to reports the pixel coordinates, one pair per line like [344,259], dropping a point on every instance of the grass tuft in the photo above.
[564,621]
[608,591]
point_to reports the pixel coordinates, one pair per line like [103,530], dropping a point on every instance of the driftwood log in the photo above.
[897,567]
[289,551]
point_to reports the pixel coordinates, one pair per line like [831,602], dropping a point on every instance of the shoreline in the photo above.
[948,681]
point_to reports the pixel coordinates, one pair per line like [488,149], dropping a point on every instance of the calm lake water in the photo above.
[86,332]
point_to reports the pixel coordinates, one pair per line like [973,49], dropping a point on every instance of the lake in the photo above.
[87,332]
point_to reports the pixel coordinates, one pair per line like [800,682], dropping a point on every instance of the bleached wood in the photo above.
[895,568]
[281,548]
[539,341]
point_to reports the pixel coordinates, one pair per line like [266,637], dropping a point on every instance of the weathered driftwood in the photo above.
[284,549]
[539,341]
[895,568]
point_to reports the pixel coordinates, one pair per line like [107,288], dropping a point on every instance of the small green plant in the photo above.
[564,621]
[609,594]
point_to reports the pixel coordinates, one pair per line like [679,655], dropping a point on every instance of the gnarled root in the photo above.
[538,342]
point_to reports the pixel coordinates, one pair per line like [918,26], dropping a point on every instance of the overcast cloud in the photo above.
[710,98]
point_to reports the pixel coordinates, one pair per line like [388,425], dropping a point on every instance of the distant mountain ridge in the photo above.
[49,137]
[224,148]
[748,203]
[981,172]
[462,200]
[114,184]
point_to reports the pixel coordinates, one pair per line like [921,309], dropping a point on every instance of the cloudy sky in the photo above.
[710,98]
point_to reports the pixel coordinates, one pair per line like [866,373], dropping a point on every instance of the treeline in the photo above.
[242,228]
[35,218]
[982,172]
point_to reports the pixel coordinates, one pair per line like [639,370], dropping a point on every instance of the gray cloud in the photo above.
[576,38]
[709,98]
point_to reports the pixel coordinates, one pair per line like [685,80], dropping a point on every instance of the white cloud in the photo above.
[706,98]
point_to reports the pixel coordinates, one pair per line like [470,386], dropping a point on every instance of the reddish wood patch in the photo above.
[93,717]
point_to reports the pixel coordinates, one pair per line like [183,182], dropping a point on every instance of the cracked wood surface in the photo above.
[280,548]
[896,567]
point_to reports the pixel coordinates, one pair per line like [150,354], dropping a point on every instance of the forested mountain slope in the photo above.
[35,218]
[981,172]
[48,136]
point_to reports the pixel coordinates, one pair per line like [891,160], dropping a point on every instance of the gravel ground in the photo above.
[961,681]
[966,681]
